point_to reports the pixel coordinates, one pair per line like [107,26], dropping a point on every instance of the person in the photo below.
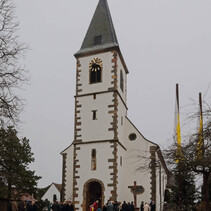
[14,206]
[110,206]
[128,206]
[29,206]
[115,204]
[124,206]
[60,206]
[55,206]
[91,207]
[146,207]
[165,206]
[22,206]
[64,206]
[142,206]
[9,206]
[153,206]
[49,207]
[70,206]
[95,205]
[105,207]
[132,206]
[120,206]
[98,209]
[34,206]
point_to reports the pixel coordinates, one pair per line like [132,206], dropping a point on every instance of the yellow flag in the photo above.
[178,134]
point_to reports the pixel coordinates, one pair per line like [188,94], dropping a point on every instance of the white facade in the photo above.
[52,190]
[107,150]
[95,134]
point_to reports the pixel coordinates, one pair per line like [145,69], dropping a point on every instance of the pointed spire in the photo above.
[101,34]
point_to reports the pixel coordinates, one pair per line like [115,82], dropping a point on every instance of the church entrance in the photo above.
[93,191]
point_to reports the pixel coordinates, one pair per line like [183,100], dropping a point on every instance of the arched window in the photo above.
[95,71]
[121,81]
[94,160]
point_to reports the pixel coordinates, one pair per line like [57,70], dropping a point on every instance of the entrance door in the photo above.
[94,192]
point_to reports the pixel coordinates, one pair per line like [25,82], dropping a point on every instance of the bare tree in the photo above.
[12,74]
[195,157]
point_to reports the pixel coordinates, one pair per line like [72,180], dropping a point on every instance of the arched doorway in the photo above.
[93,190]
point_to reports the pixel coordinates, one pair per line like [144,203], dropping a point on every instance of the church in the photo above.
[109,158]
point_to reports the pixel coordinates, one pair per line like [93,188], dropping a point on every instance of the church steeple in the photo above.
[101,33]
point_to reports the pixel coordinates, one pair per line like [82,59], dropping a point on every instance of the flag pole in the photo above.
[200,144]
[177,95]
[201,122]
[177,127]
[201,139]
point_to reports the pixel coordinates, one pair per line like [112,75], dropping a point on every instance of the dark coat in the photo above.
[130,207]
[142,207]
[153,207]
[21,206]
[110,207]
[124,207]
[64,207]
[55,207]
[34,207]
[29,207]
[104,208]
[70,207]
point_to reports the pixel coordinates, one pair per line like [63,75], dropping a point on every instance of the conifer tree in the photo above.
[183,194]
[15,157]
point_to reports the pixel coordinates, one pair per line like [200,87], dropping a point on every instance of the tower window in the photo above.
[95,69]
[120,160]
[97,40]
[93,153]
[121,81]
[94,160]
[94,114]
[94,96]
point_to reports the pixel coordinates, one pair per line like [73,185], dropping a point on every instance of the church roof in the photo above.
[58,186]
[101,33]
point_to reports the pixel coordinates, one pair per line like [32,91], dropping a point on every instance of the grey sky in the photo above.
[163,43]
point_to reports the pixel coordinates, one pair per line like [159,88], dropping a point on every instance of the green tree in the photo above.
[15,157]
[183,194]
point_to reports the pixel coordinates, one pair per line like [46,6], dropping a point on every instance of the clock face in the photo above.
[95,69]
[95,65]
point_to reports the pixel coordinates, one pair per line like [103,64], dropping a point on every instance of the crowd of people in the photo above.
[118,206]
[22,206]
[109,206]
[59,206]
[96,206]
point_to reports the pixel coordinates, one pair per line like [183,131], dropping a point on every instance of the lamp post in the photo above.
[158,164]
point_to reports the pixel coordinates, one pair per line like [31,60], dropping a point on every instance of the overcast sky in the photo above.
[163,42]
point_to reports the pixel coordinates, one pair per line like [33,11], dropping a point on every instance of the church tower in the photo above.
[100,101]
[100,81]
[96,164]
